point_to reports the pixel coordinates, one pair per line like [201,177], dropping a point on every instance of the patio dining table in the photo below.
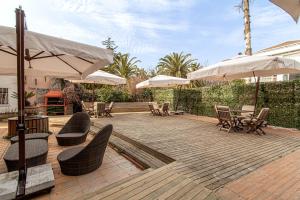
[238,118]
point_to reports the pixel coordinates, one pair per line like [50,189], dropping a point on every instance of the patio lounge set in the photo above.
[98,109]
[242,120]
[159,111]
[73,161]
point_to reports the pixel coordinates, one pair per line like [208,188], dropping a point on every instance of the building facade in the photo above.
[8,85]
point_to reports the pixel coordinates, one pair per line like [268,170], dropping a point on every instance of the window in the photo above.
[3,96]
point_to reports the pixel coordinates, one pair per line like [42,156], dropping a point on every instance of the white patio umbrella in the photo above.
[292,7]
[101,77]
[163,81]
[247,66]
[24,52]
[50,56]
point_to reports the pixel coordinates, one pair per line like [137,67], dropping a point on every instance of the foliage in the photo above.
[72,91]
[27,96]
[110,44]
[124,66]
[163,95]
[177,64]
[283,99]
[107,94]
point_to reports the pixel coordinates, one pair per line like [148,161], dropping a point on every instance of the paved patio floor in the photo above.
[114,168]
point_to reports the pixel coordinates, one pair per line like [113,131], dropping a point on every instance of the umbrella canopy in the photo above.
[50,56]
[292,7]
[162,81]
[246,66]
[101,77]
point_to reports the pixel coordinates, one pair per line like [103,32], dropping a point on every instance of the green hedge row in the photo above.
[283,99]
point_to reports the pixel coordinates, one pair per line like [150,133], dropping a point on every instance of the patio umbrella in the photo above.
[247,66]
[33,53]
[164,81]
[292,7]
[101,77]
[50,56]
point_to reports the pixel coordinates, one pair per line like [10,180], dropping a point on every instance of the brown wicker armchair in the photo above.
[82,160]
[75,131]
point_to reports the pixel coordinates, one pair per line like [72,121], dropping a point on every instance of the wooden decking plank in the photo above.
[242,171]
[118,183]
[152,174]
[215,163]
[142,157]
[192,193]
[212,167]
[179,193]
[167,193]
[137,187]
[142,192]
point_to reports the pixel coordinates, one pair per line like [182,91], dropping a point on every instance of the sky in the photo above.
[211,30]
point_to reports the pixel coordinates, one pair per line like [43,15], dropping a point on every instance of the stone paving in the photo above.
[114,168]
[208,156]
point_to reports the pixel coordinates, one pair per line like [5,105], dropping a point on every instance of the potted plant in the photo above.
[27,96]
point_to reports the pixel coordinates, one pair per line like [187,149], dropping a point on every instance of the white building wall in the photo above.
[9,82]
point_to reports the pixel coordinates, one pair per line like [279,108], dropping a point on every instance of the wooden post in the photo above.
[20,79]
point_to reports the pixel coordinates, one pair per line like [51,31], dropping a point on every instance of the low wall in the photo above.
[126,106]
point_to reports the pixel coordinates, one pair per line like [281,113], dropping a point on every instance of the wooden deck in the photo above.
[203,154]
[187,158]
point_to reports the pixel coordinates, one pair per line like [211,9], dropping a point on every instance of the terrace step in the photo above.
[135,153]
[162,183]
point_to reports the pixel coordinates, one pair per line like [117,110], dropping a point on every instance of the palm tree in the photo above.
[124,66]
[175,64]
[244,6]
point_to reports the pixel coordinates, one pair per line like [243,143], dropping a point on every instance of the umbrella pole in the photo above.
[178,98]
[20,79]
[256,92]
[257,83]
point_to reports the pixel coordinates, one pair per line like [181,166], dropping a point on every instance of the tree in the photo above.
[124,66]
[244,6]
[176,64]
[110,44]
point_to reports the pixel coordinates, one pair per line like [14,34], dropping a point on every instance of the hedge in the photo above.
[283,99]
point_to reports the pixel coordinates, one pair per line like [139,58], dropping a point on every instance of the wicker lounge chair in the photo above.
[256,123]
[82,160]
[224,108]
[227,121]
[75,131]
[108,110]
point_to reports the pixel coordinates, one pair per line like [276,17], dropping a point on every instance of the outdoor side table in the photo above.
[32,136]
[35,153]
[35,124]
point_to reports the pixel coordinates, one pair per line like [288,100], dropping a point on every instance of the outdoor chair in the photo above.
[84,159]
[224,108]
[89,109]
[100,109]
[164,110]
[108,110]
[227,121]
[75,131]
[151,108]
[257,123]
